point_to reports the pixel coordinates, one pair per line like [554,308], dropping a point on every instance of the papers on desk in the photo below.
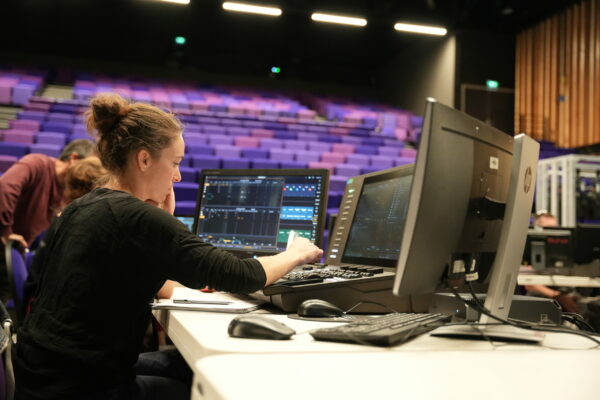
[190,299]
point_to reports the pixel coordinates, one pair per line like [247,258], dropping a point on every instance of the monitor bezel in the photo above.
[324,173]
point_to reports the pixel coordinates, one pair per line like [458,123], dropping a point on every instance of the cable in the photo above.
[370,302]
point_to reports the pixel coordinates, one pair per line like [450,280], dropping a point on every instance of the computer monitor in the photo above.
[470,198]
[251,212]
[187,220]
[377,220]
[549,250]
[587,243]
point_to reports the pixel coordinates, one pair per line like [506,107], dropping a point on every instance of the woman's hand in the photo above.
[168,203]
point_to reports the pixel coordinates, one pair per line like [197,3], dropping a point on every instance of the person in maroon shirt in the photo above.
[31,194]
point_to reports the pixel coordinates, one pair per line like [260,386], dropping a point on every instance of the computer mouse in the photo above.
[319,308]
[253,326]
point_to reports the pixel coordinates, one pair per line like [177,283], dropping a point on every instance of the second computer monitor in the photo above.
[251,212]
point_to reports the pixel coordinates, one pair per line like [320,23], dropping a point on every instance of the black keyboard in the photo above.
[386,330]
[316,273]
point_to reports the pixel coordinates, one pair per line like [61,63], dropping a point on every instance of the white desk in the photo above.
[235,368]
[558,280]
[427,375]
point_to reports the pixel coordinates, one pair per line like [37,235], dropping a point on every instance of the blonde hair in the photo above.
[124,128]
[84,176]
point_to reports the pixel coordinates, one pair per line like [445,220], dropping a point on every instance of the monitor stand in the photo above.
[508,256]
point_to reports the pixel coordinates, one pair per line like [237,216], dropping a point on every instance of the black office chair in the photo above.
[16,269]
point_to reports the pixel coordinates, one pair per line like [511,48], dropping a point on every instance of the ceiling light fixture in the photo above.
[424,29]
[177,1]
[251,8]
[338,19]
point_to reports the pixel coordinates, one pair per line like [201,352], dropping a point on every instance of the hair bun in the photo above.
[106,109]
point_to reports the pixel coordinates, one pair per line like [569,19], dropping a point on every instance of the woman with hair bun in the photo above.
[122,240]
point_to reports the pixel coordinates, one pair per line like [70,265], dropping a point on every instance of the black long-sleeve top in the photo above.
[107,256]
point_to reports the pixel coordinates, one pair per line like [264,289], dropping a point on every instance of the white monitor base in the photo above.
[502,333]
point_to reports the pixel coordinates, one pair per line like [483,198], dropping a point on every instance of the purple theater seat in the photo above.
[189,174]
[337,183]
[382,162]
[60,117]
[262,133]
[274,125]
[231,122]
[205,162]
[6,88]
[308,136]
[22,92]
[238,131]
[208,120]
[51,126]
[297,127]
[185,191]
[408,153]
[254,154]
[185,207]
[228,151]
[246,141]
[289,135]
[13,149]
[366,149]
[51,150]
[329,139]
[319,147]
[6,161]
[348,170]
[199,149]
[393,143]
[389,151]
[322,165]
[281,154]
[64,108]
[333,158]
[32,115]
[358,159]
[344,148]
[360,132]
[373,141]
[334,199]
[218,140]
[236,163]
[403,160]
[295,145]
[271,144]
[25,124]
[294,165]
[368,170]
[307,156]
[214,130]
[253,124]
[51,138]
[318,128]
[265,164]
[18,136]
[352,140]
[195,138]
[335,130]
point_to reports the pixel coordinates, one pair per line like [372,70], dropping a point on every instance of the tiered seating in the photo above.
[223,129]
[18,86]
[386,120]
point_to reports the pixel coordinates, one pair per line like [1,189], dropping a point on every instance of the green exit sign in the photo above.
[492,84]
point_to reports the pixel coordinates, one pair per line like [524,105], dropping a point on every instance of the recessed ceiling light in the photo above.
[251,8]
[338,19]
[423,29]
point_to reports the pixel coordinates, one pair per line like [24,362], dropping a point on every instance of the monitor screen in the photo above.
[549,250]
[187,220]
[251,212]
[587,243]
[379,220]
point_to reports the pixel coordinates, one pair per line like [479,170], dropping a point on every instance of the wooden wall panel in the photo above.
[557,78]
